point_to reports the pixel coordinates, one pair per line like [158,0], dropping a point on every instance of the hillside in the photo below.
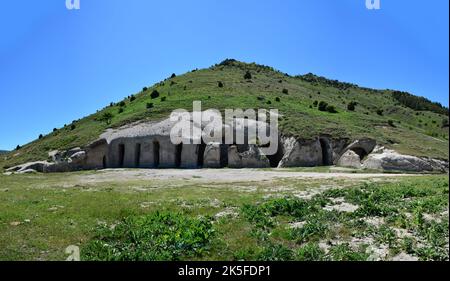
[409,124]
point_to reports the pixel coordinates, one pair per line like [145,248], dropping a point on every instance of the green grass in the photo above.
[176,220]
[416,133]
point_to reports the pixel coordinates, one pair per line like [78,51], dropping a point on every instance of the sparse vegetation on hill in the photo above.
[414,133]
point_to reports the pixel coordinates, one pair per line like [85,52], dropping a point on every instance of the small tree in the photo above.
[163,99]
[220,84]
[72,127]
[41,136]
[54,129]
[380,112]
[331,109]
[323,106]
[154,94]
[315,103]
[122,104]
[351,106]
[391,123]
[144,89]
[173,75]
[247,75]
[106,117]
[277,99]
[285,91]
[149,105]
[132,98]
[18,147]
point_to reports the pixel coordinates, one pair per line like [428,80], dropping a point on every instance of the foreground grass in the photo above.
[286,219]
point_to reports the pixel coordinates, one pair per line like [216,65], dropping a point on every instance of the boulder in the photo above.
[211,157]
[301,153]
[391,160]
[350,159]
[246,156]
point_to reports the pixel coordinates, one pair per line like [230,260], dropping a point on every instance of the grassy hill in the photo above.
[406,123]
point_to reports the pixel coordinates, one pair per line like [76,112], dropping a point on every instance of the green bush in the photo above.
[173,75]
[331,109]
[41,136]
[247,75]
[285,91]
[106,117]
[122,103]
[72,127]
[144,89]
[220,84]
[310,252]
[132,98]
[323,106]
[154,94]
[160,236]
[391,123]
[163,98]
[120,110]
[380,112]
[277,99]
[149,105]
[351,106]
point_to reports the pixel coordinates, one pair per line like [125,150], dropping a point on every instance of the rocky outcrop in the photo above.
[350,159]
[389,160]
[248,156]
[306,153]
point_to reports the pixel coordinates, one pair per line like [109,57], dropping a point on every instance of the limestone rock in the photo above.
[350,159]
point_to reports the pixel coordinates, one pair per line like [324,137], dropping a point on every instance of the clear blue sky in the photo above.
[58,65]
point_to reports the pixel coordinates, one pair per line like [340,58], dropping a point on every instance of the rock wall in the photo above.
[148,145]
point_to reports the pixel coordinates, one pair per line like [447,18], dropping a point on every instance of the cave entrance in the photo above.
[104,162]
[200,154]
[360,151]
[178,150]
[327,153]
[121,155]
[137,155]
[156,154]
[223,155]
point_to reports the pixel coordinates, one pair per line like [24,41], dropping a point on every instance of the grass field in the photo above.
[370,218]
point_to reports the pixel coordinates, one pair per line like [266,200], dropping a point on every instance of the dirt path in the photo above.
[218,175]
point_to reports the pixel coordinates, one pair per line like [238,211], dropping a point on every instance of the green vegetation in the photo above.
[410,136]
[138,219]
[156,236]
[419,103]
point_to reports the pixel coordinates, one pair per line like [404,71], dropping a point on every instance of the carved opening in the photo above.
[121,155]
[275,159]
[360,151]
[223,155]
[200,154]
[178,150]
[327,154]
[104,162]
[156,154]
[137,155]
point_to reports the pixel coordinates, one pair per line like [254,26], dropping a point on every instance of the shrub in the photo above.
[391,123]
[323,106]
[220,84]
[54,129]
[40,136]
[132,98]
[18,147]
[277,99]
[111,104]
[380,112]
[149,105]
[144,89]
[72,127]
[351,106]
[310,252]
[173,75]
[285,91]
[269,102]
[154,94]
[275,252]
[163,99]
[153,237]
[106,117]
[247,75]
[261,98]
[120,110]
[331,109]
[315,103]
[122,103]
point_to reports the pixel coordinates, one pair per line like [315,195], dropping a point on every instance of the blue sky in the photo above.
[58,65]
